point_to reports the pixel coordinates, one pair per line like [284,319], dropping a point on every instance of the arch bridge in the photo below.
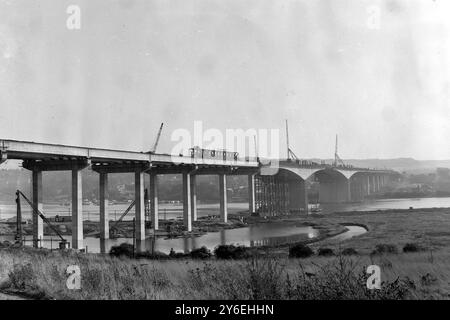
[282,188]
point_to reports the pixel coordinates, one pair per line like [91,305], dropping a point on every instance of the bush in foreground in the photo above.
[385,248]
[200,253]
[411,247]
[124,249]
[230,252]
[349,252]
[300,251]
[325,252]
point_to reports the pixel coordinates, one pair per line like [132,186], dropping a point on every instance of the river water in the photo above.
[255,235]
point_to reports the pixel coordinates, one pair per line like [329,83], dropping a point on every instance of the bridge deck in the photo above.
[25,150]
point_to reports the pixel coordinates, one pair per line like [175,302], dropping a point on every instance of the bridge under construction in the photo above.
[274,187]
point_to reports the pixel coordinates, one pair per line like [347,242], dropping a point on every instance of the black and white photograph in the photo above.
[246,152]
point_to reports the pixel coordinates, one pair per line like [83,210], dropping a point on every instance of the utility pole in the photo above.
[18,218]
[256,148]
[287,141]
[336,152]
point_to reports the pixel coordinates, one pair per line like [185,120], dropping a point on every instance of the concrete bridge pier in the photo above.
[194,197]
[154,208]
[375,184]
[187,197]
[77,210]
[223,197]
[251,194]
[38,224]
[139,205]
[369,186]
[104,214]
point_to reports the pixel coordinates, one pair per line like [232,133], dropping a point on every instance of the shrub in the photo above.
[300,251]
[230,252]
[349,252]
[23,279]
[200,253]
[411,247]
[124,249]
[385,248]
[325,252]
[155,255]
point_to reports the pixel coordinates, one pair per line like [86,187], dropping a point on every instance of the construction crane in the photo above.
[39,214]
[114,227]
[337,160]
[290,154]
[157,138]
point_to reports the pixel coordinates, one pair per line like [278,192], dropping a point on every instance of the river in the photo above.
[255,235]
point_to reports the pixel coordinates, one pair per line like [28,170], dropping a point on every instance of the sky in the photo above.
[374,72]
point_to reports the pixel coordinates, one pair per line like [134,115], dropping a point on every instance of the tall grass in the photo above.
[42,274]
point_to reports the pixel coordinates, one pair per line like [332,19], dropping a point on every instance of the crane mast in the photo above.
[157,138]
[337,159]
[290,153]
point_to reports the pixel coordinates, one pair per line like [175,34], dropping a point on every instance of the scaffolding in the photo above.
[272,195]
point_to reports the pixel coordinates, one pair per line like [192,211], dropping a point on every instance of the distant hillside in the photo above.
[399,164]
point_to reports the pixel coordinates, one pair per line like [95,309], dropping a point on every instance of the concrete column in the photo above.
[187,217]
[154,199]
[139,206]
[77,210]
[251,193]
[223,197]
[374,184]
[193,198]
[369,189]
[349,191]
[38,224]
[360,190]
[104,214]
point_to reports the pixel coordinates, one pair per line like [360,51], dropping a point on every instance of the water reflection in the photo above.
[257,235]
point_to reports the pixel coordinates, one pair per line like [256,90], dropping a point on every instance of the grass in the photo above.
[41,274]
[422,274]
[428,227]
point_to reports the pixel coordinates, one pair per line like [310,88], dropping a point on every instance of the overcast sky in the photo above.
[327,66]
